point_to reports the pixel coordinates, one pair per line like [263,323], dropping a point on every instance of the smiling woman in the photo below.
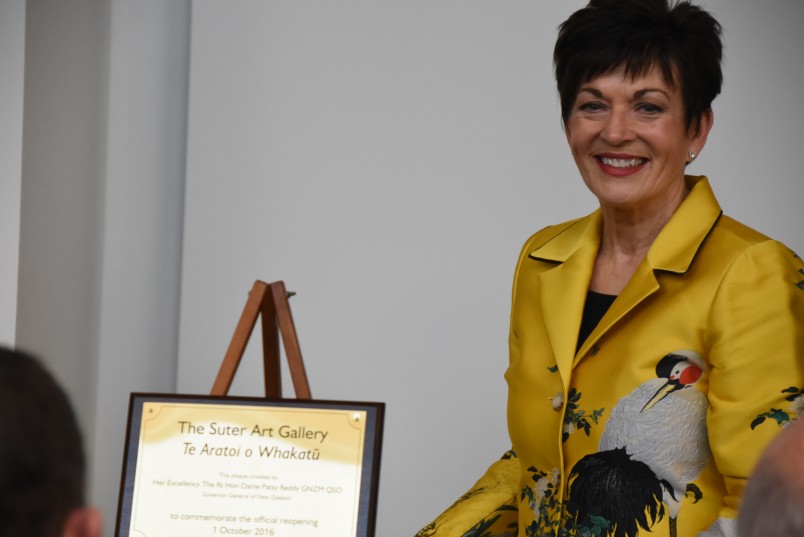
[648,337]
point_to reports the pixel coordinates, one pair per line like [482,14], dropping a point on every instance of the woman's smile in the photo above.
[621,165]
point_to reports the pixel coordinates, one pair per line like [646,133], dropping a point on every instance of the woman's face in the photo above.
[630,141]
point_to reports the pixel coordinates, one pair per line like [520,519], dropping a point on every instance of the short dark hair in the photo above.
[41,455]
[680,39]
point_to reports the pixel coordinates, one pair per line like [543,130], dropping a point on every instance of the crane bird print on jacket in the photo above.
[653,447]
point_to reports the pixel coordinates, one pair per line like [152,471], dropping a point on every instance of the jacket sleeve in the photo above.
[756,352]
[488,508]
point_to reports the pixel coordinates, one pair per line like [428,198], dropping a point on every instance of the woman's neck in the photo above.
[626,238]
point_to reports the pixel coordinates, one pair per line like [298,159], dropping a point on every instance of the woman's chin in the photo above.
[620,199]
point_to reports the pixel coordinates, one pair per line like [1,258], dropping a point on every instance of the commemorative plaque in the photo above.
[215,466]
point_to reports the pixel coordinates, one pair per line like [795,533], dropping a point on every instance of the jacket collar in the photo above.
[573,248]
[674,248]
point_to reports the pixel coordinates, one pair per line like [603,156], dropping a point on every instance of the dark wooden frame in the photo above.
[369,490]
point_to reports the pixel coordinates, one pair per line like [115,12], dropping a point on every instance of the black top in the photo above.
[596,306]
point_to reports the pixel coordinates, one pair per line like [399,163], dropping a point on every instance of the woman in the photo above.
[655,345]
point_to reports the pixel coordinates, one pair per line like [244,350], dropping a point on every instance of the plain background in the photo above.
[385,159]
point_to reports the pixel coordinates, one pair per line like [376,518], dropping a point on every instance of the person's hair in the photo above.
[679,39]
[773,503]
[41,455]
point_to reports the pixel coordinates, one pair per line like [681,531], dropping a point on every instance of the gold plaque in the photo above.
[216,466]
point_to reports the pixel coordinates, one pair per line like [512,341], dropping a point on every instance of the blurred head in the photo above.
[41,455]
[677,39]
[773,503]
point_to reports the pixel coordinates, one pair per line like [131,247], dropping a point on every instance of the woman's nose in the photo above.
[617,128]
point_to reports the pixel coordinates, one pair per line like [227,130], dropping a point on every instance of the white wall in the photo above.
[12,57]
[61,192]
[142,221]
[102,202]
[387,160]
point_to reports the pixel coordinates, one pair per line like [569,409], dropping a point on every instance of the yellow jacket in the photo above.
[656,422]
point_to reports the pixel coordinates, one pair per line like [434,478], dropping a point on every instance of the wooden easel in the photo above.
[270,300]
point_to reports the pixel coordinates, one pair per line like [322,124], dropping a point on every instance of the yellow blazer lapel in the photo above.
[673,251]
[563,288]
[641,285]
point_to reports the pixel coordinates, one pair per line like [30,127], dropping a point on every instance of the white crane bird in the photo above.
[653,446]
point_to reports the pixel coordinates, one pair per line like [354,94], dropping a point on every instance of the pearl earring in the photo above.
[692,155]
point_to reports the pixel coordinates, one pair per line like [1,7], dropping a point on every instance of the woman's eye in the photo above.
[650,108]
[591,106]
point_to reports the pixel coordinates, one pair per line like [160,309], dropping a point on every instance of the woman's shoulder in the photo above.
[745,254]
[734,230]
[556,242]
[732,235]
[548,233]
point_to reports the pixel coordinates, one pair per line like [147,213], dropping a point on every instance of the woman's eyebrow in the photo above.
[637,94]
[594,91]
[641,93]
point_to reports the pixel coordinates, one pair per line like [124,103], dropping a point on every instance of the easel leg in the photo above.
[237,346]
[291,341]
[270,350]
[276,318]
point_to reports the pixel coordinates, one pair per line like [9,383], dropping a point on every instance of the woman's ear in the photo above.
[83,522]
[701,132]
